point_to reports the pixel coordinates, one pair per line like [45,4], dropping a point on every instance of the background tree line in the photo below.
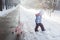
[8,3]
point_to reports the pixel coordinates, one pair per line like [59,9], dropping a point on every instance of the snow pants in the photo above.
[41,25]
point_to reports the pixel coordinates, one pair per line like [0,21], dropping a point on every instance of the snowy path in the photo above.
[52,28]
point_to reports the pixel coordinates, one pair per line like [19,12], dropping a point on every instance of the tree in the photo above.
[0,5]
[50,5]
[11,3]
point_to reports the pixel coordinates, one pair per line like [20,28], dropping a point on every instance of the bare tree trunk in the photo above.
[0,5]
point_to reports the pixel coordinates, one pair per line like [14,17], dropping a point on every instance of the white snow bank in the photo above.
[10,17]
[53,17]
[5,12]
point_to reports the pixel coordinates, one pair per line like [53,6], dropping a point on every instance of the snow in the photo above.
[5,12]
[54,16]
[51,24]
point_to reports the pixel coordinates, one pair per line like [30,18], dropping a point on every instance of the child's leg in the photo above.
[36,28]
[42,27]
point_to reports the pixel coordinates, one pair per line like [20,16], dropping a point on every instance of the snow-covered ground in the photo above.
[51,24]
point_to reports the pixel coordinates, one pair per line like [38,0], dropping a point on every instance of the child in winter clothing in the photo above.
[38,21]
